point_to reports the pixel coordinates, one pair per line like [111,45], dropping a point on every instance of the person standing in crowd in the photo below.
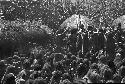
[72,41]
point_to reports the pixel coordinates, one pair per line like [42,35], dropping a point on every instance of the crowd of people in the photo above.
[70,56]
[92,56]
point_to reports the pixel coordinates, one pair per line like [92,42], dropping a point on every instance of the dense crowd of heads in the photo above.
[64,68]
[100,60]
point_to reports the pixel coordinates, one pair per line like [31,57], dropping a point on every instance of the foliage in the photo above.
[54,12]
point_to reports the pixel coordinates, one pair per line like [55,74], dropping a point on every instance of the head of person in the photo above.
[93,76]
[10,79]
[90,28]
[107,74]
[74,31]
[119,26]
[94,66]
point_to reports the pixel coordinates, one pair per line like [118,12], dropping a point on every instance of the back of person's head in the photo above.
[59,66]
[67,62]
[107,74]
[73,57]
[94,66]
[58,57]
[66,76]
[94,77]
[73,64]
[82,70]
[90,27]
[86,62]
[10,79]
[81,26]
[69,55]
[37,67]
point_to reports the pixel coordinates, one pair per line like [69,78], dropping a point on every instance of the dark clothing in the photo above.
[72,44]
[101,41]
[98,41]
[110,45]
[95,41]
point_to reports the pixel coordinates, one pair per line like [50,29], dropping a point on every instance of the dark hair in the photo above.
[81,70]
[66,76]
[108,75]
[74,31]
[26,64]
[112,66]
[10,79]
[57,75]
[90,27]
[119,25]
[37,67]
[69,55]
[81,26]
[94,66]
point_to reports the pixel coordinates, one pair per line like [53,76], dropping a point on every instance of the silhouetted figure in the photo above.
[72,41]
